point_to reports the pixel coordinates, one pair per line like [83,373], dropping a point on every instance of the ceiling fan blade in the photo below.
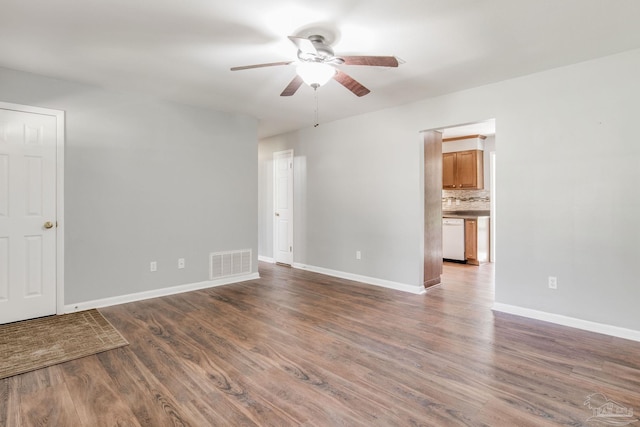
[374,61]
[293,86]
[351,84]
[268,64]
[303,44]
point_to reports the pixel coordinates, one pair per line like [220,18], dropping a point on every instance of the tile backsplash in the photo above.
[465,200]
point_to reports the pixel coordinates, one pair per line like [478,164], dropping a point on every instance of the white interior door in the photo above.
[28,145]
[283,207]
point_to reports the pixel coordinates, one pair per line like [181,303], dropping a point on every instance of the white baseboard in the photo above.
[418,290]
[139,296]
[266,259]
[572,322]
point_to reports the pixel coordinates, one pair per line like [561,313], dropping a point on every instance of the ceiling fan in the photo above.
[315,65]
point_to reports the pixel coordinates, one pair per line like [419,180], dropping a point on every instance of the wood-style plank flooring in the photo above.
[296,348]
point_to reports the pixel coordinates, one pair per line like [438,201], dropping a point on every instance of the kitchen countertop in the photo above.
[466,214]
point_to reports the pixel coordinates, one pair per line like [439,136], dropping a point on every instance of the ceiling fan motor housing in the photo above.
[322,52]
[322,49]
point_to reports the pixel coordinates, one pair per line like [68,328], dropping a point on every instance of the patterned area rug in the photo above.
[38,343]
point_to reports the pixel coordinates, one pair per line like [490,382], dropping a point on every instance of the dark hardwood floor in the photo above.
[297,348]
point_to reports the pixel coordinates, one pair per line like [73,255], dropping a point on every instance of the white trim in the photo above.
[123,299]
[492,219]
[60,135]
[417,290]
[266,259]
[60,225]
[572,322]
[30,109]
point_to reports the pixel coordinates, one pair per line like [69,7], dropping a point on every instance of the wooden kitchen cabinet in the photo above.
[463,170]
[471,240]
[476,240]
[448,170]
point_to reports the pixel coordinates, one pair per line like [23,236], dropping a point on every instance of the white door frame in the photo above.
[492,226]
[275,194]
[59,115]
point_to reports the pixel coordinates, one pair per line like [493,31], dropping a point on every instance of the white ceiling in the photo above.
[182,50]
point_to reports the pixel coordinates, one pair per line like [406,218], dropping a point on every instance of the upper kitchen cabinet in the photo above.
[463,170]
[462,163]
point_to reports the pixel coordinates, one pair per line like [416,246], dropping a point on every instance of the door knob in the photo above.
[277,214]
[48,225]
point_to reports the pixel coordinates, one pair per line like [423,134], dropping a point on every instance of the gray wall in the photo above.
[351,193]
[568,162]
[145,180]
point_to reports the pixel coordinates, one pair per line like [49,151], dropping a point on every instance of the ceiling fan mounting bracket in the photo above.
[328,31]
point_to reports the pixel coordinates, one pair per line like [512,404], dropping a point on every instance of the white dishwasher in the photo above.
[453,239]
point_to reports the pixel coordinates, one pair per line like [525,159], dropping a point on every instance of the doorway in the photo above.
[477,197]
[283,207]
[31,207]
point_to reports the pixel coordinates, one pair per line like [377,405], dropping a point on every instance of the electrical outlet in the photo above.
[180,262]
[553,282]
[358,255]
[153,266]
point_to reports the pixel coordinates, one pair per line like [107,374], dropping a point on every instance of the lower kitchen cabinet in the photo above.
[476,240]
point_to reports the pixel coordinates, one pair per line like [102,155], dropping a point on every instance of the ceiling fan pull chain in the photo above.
[315,95]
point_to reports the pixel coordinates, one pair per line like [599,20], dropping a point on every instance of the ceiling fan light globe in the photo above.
[315,74]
